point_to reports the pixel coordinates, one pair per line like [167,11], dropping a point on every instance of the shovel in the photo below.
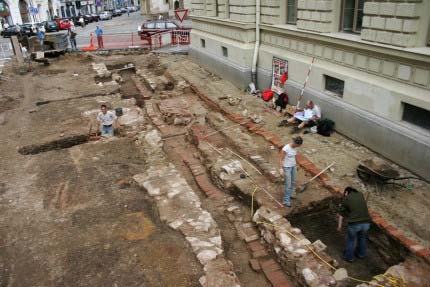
[303,187]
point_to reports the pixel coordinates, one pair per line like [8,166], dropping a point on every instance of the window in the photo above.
[203,43]
[352,15]
[150,25]
[416,116]
[291,11]
[160,25]
[170,25]
[224,51]
[334,85]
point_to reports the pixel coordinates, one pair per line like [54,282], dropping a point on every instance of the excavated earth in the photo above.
[76,210]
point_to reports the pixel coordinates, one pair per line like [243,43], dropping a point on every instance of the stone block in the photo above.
[338,55]
[404,72]
[300,14]
[394,24]
[307,15]
[309,48]
[387,9]
[410,25]
[377,23]
[371,8]
[368,35]
[301,24]
[328,53]
[366,21]
[407,10]
[324,5]
[316,16]
[421,76]
[404,40]
[384,37]
[301,4]
[374,65]
[311,4]
[326,17]
[302,46]
[318,50]
[255,264]
[361,61]
[349,58]
[388,68]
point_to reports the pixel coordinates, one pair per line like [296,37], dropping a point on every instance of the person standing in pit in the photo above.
[287,166]
[354,209]
[99,33]
[106,119]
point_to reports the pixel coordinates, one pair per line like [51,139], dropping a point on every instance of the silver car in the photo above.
[106,15]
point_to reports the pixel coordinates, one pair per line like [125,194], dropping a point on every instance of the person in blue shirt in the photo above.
[99,33]
[41,38]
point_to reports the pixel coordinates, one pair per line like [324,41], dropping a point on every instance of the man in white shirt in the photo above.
[287,166]
[309,117]
[106,119]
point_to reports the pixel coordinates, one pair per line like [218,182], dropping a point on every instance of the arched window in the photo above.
[5,13]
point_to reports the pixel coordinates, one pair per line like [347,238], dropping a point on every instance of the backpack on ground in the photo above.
[325,127]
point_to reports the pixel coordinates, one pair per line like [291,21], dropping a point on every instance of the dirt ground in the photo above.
[72,216]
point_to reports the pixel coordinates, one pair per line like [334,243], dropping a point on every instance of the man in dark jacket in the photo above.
[354,209]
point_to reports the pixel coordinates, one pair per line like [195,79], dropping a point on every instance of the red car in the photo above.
[63,24]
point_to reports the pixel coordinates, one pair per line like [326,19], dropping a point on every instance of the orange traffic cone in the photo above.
[91,47]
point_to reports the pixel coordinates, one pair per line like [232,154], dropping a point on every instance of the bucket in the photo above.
[118,112]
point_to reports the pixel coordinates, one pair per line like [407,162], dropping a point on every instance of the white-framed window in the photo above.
[352,15]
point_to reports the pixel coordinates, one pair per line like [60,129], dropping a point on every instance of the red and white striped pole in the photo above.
[306,81]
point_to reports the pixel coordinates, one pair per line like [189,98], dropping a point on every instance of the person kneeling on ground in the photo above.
[287,166]
[106,119]
[354,208]
[309,117]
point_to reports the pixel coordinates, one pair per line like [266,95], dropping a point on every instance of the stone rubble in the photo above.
[180,208]
[290,247]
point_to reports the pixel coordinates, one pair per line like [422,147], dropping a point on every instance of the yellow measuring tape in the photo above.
[393,281]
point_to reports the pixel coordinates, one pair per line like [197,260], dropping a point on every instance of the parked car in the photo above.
[29,29]
[123,10]
[118,12]
[132,8]
[88,18]
[106,15]
[63,24]
[96,17]
[50,26]
[153,27]
[10,31]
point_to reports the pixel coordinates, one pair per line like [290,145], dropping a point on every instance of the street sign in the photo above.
[181,14]
[33,10]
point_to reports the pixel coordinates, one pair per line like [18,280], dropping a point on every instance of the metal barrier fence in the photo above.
[6,50]
[134,40]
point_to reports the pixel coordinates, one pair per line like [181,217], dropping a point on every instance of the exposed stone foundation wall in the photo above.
[393,22]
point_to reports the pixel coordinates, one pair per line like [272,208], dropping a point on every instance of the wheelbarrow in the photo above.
[381,174]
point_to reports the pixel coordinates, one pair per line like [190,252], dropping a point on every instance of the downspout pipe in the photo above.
[257,42]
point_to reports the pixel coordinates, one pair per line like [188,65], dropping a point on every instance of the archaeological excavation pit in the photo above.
[58,144]
[321,224]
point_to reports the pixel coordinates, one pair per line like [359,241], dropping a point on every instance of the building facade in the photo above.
[15,12]
[164,7]
[371,71]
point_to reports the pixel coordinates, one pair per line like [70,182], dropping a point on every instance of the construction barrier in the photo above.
[134,40]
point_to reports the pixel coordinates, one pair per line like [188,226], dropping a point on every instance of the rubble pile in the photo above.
[181,209]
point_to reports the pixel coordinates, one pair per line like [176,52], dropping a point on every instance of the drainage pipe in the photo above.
[257,43]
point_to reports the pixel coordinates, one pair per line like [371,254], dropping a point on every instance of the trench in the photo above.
[59,144]
[321,223]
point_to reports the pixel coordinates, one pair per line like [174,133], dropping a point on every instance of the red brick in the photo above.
[255,245]
[255,264]
[278,278]
[423,253]
[259,253]
[269,266]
